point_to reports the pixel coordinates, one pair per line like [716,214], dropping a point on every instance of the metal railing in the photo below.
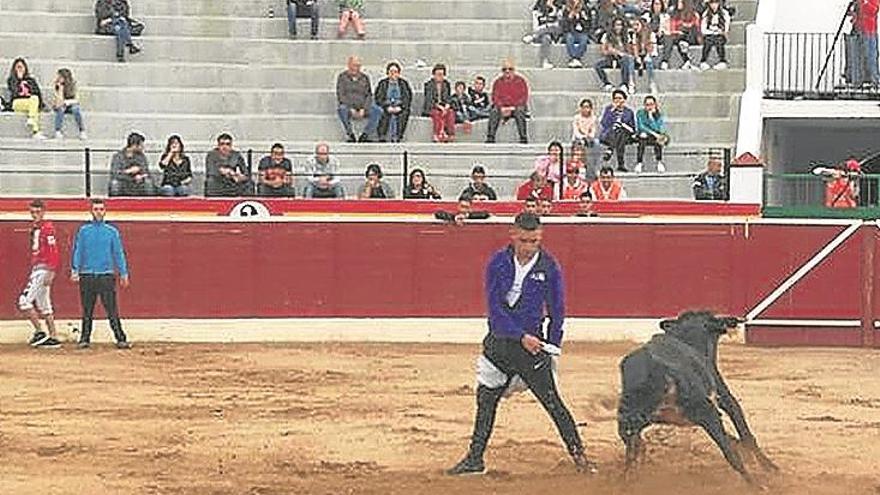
[808,195]
[819,66]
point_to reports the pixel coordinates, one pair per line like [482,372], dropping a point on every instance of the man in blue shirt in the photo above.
[97,256]
[522,281]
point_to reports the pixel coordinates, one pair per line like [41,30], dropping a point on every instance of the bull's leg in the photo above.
[751,445]
[710,420]
[634,449]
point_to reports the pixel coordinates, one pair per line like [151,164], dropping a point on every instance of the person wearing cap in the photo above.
[479,190]
[374,187]
[710,185]
[573,185]
[618,128]
[523,283]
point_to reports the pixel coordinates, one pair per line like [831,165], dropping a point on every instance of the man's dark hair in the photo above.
[277,146]
[134,139]
[620,92]
[478,169]
[38,203]
[97,201]
[439,67]
[606,170]
[527,221]
[392,64]
[225,136]
[480,78]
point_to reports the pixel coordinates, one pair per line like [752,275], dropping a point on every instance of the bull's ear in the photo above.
[667,325]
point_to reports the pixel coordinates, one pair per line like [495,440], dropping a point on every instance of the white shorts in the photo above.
[38,294]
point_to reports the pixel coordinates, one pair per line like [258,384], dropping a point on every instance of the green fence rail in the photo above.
[804,196]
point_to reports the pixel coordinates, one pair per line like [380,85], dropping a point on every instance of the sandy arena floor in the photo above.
[377,419]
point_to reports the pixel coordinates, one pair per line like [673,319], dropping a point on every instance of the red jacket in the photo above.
[866,20]
[840,193]
[44,247]
[526,189]
[510,92]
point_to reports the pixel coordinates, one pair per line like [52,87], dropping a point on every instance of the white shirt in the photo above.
[521,271]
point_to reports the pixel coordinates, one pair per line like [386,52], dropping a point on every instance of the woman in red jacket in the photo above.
[684,31]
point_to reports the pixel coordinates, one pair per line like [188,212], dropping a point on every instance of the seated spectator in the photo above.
[616,53]
[129,172]
[585,205]
[355,98]
[546,28]
[510,99]
[394,97]
[479,190]
[418,187]
[607,188]
[113,17]
[573,185]
[374,187]
[644,50]
[25,95]
[684,31]
[321,170]
[651,128]
[351,13]
[711,185]
[576,24]
[715,26]
[465,212]
[618,128]
[306,9]
[545,208]
[463,107]
[584,129]
[658,19]
[276,174]
[530,205]
[577,160]
[841,186]
[535,187]
[176,169]
[226,171]
[66,102]
[605,16]
[480,99]
[628,8]
[548,165]
[438,105]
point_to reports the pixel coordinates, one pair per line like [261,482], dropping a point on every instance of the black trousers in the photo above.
[649,140]
[716,41]
[518,115]
[511,358]
[616,141]
[91,287]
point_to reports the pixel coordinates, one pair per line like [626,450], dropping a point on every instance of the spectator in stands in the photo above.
[374,187]
[605,16]
[576,26]
[865,27]
[711,185]
[438,105]
[113,17]
[351,12]
[530,205]
[616,53]
[573,185]
[176,169]
[25,94]
[545,207]
[715,27]
[394,97]
[465,212]
[548,165]
[577,160]
[226,171]
[418,187]
[651,128]
[66,102]
[129,171]
[841,187]
[584,128]
[535,187]
[276,174]
[355,98]
[618,128]
[302,8]
[607,188]
[321,170]
[479,98]
[684,31]
[546,28]
[479,190]
[510,98]
[628,8]
[463,107]
[585,205]
[658,19]
[645,51]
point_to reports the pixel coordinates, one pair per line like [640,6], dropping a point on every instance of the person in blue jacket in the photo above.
[97,256]
[522,282]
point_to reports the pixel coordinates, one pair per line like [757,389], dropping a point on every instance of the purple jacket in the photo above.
[542,291]
[611,115]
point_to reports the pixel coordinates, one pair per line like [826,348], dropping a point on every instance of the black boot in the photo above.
[133,49]
[364,138]
[467,466]
[352,138]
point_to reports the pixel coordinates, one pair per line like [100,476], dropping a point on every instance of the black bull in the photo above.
[674,379]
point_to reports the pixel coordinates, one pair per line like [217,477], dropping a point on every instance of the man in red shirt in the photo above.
[35,300]
[510,99]
[536,187]
[865,24]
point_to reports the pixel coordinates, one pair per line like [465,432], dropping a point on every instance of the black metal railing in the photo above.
[821,66]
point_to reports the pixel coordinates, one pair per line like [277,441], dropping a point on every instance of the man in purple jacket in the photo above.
[522,281]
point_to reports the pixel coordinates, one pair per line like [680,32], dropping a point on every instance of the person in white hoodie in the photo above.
[715,26]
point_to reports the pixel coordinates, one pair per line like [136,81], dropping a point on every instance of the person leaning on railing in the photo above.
[129,170]
[374,187]
[226,171]
[321,170]
[710,185]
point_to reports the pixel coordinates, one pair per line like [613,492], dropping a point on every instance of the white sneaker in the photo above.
[639,168]
[721,66]
[607,87]
[547,65]
[664,65]
[39,136]
[687,66]
[660,167]
[575,63]
[59,135]
[631,90]
[528,39]
[704,66]
[654,90]
[83,136]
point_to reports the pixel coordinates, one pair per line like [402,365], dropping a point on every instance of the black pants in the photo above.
[616,141]
[717,41]
[649,140]
[91,287]
[384,124]
[512,359]
[519,116]
[680,42]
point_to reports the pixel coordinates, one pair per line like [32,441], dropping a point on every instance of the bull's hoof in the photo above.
[584,465]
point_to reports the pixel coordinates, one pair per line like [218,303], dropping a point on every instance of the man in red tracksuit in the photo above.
[36,299]
[510,99]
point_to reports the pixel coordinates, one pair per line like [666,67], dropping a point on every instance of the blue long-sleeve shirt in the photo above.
[97,250]
[542,290]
